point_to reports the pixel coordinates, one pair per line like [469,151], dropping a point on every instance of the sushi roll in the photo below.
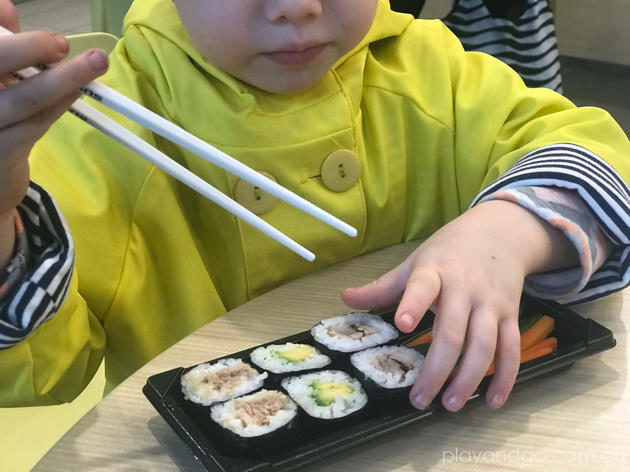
[289,357]
[389,371]
[223,380]
[353,332]
[256,421]
[327,394]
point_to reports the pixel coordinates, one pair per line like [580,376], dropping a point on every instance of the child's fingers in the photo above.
[448,339]
[42,91]
[24,50]
[481,341]
[423,287]
[507,361]
[385,291]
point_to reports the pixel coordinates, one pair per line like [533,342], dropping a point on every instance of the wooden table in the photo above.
[577,420]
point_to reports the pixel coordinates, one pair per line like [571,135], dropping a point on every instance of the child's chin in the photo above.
[291,85]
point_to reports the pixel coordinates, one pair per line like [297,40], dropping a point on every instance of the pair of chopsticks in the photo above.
[123,105]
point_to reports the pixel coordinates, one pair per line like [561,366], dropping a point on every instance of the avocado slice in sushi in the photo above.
[296,355]
[325,393]
[288,357]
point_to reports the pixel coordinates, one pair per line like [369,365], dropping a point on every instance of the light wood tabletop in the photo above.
[577,420]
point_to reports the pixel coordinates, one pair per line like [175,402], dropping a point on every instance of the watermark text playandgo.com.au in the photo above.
[526,456]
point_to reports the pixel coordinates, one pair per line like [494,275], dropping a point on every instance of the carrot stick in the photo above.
[424,338]
[539,331]
[527,323]
[548,343]
[544,347]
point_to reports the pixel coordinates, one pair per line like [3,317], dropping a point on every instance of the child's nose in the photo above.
[293,11]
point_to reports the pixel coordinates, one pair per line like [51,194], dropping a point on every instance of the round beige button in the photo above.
[341,170]
[253,198]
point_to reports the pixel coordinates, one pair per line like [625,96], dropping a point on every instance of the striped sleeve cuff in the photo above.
[45,286]
[602,190]
[564,210]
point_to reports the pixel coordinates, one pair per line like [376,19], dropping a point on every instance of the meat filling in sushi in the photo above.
[394,363]
[210,383]
[260,409]
[255,415]
[389,366]
[353,332]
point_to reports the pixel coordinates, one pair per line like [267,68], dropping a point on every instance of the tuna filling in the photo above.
[227,379]
[259,410]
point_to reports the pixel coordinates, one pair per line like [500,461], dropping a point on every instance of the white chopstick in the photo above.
[122,135]
[117,132]
[123,105]
[159,125]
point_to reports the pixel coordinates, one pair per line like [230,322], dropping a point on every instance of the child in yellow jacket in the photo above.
[378,118]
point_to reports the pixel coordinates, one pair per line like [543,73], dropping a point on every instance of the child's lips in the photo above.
[296,55]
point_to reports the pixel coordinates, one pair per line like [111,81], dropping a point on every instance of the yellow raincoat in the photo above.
[430,125]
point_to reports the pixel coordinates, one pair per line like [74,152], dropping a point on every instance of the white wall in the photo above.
[594,29]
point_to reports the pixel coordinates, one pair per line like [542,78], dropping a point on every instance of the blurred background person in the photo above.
[520,33]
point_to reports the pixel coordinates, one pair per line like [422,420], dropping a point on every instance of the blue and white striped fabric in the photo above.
[600,187]
[528,43]
[46,286]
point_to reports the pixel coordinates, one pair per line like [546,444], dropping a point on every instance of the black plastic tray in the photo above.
[577,336]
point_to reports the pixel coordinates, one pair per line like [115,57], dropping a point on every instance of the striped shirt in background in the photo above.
[520,33]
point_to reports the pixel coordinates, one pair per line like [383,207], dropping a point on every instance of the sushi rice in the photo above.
[389,366]
[353,332]
[223,380]
[289,357]
[255,415]
[306,391]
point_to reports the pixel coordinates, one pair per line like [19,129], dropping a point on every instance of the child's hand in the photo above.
[470,273]
[28,108]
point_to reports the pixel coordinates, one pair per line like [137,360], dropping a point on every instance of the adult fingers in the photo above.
[385,291]
[24,50]
[448,338]
[20,137]
[42,91]
[17,141]
[7,81]
[507,361]
[9,16]
[481,340]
